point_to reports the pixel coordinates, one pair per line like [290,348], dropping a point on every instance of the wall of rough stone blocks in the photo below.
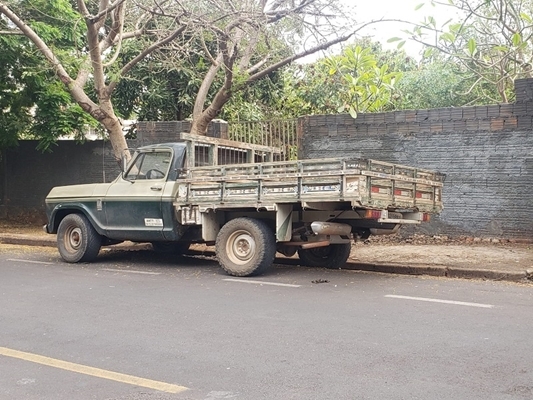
[28,175]
[486,153]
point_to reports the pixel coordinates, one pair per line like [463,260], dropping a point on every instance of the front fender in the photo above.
[59,211]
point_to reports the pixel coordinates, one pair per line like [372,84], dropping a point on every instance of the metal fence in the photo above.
[282,134]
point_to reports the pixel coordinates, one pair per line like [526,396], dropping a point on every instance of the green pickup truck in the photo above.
[237,197]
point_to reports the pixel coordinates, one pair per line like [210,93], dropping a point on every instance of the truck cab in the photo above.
[132,207]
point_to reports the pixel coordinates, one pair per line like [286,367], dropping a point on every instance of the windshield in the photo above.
[149,165]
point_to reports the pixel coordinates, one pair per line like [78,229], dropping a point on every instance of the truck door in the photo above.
[133,202]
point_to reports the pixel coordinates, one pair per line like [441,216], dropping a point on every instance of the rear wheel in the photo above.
[77,240]
[333,256]
[245,246]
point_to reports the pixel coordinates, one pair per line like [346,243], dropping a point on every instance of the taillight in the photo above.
[424,195]
[426,217]
[373,214]
[380,190]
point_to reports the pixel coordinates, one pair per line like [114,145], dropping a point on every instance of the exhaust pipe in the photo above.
[330,228]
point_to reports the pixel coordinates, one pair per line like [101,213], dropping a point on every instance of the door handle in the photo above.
[156,188]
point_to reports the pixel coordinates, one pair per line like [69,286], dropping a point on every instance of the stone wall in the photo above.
[486,153]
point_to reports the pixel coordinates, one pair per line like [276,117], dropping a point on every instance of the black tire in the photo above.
[77,240]
[177,248]
[245,247]
[333,256]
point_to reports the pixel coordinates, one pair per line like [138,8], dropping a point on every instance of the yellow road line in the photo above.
[97,372]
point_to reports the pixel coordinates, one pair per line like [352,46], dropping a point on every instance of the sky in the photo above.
[368,10]
[396,9]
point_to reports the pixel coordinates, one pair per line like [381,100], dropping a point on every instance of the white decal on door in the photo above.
[153,222]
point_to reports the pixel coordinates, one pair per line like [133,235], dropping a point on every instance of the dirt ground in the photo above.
[418,250]
[444,251]
[25,228]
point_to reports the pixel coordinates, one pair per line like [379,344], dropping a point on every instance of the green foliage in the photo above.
[33,104]
[164,87]
[58,24]
[362,85]
[137,73]
[256,102]
[435,85]
[491,42]
[69,120]
[15,101]
[160,87]
[323,87]
[360,79]
[163,96]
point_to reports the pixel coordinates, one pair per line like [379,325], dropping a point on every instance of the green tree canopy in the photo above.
[33,104]
[437,83]
[359,79]
[98,48]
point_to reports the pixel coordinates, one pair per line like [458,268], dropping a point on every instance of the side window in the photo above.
[149,166]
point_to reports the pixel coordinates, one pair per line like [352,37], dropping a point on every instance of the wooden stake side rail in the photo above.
[207,140]
[315,167]
[362,182]
[205,150]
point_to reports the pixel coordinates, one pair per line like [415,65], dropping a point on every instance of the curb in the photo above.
[443,271]
[27,241]
[427,270]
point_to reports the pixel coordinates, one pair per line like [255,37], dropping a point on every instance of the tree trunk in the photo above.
[103,113]
[116,137]
[200,124]
[114,129]
[204,88]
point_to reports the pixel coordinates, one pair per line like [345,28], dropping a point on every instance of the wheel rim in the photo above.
[240,247]
[73,238]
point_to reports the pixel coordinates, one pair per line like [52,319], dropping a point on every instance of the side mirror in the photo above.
[124,164]
[126,158]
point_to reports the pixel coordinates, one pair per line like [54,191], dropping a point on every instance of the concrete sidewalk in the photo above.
[499,262]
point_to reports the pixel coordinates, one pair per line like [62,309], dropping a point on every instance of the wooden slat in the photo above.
[228,143]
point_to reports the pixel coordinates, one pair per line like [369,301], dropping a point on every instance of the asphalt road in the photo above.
[140,326]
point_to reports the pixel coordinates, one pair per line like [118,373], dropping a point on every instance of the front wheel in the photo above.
[333,256]
[245,246]
[77,240]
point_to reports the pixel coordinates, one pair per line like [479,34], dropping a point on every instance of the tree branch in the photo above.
[143,54]
[19,33]
[297,56]
[94,51]
[208,80]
